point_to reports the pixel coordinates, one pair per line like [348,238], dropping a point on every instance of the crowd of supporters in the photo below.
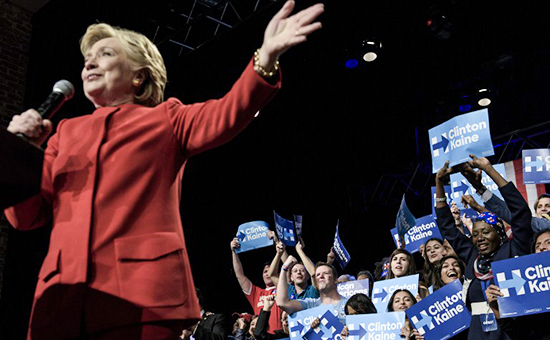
[466,251]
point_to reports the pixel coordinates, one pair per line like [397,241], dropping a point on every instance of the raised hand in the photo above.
[444,172]
[284,31]
[234,244]
[480,163]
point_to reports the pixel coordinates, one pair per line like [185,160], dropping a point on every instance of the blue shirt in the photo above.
[309,292]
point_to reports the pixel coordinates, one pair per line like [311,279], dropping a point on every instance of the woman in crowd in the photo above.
[117,265]
[488,243]
[450,269]
[434,251]
[358,304]
[400,301]
[401,264]
[532,327]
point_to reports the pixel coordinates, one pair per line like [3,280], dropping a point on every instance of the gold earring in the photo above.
[136,82]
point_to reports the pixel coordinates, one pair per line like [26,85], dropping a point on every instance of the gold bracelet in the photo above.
[262,71]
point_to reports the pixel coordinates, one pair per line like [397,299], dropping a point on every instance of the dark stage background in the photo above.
[336,143]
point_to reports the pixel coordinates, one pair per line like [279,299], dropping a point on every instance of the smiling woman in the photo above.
[488,244]
[451,268]
[117,265]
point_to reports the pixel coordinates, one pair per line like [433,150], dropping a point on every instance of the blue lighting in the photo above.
[465,107]
[352,63]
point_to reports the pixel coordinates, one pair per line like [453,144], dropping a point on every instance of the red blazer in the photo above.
[112,184]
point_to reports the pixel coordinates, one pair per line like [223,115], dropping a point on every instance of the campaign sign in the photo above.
[448,194]
[383,290]
[525,283]
[441,315]
[253,235]
[459,137]
[285,230]
[536,166]
[461,186]
[342,255]
[299,323]
[386,326]
[350,288]
[425,229]
[298,224]
[405,219]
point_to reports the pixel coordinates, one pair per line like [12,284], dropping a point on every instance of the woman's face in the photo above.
[485,238]
[450,271]
[399,264]
[401,301]
[434,251]
[107,77]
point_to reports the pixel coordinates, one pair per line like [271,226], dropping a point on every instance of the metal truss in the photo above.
[188,25]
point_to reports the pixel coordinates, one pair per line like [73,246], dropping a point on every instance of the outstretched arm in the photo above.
[272,271]
[289,306]
[284,32]
[310,267]
[244,282]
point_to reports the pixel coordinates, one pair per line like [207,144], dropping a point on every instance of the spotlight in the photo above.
[370,50]
[484,97]
[352,63]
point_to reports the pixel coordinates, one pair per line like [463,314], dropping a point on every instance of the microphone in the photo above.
[62,91]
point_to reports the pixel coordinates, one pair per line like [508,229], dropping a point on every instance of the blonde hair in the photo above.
[142,55]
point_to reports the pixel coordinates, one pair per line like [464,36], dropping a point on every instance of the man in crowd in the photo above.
[254,294]
[324,279]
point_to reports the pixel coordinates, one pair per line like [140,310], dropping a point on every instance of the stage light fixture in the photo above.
[484,97]
[370,50]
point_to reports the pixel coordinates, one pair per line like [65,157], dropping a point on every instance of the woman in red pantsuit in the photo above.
[117,265]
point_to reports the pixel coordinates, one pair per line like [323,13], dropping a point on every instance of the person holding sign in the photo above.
[255,295]
[400,301]
[299,273]
[493,203]
[524,327]
[489,242]
[324,279]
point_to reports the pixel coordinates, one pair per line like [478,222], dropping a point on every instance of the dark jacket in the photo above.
[519,245]
[261,333]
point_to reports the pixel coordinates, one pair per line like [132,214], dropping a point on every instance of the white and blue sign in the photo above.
[253,235]
[405,220]
[350,288]
[460,185]
[285,230]
[298,224]
[383,290]
[448,194]
[525,283]
[536,166]
[441,315]
[425,229]
[459,137]
[299,323]
[342,255]
[375,326]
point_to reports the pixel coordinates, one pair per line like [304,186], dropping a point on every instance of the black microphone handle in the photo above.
[51,105]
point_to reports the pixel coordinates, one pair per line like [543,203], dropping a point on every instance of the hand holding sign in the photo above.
[234,244]
[444,172]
